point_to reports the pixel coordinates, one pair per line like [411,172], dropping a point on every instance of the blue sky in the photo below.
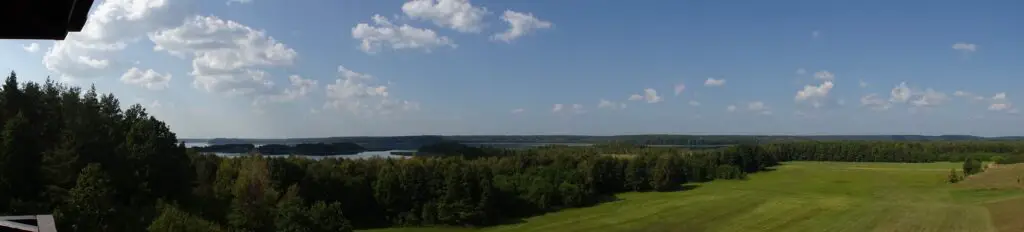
[271,68]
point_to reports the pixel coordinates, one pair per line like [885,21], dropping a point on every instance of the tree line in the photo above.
[98,166]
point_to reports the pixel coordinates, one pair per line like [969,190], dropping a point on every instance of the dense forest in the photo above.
[99,167]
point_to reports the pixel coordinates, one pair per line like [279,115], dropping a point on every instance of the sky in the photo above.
[274,68]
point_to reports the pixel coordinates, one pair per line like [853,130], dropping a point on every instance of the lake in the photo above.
[361,155]
[387,154]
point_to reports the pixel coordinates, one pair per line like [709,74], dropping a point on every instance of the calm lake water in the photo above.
[361,155]
[387,154]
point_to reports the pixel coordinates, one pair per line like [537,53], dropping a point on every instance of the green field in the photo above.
[806,196]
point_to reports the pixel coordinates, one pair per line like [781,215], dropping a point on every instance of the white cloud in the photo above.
[578,108]
[557,108]
[112,26]
[679,88]
[714,82]
[875,102]
[227,56]
[999,106]
[730,108]
[756,106]
[814,94]
[999,97]
[969,96]
[901,93]
[238,2]
[353,91]
[824,75]
[650,95]
[299,87]
[148,79]
[383,33]
[31,48]
[516,111]
[965,47]
[801,71]
[606,104]
[929,97]
[694,103]
[863,84]
[459,15]
[520,24]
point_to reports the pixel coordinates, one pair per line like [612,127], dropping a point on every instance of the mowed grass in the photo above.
[802,196]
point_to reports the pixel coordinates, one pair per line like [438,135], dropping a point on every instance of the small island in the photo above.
[308,149]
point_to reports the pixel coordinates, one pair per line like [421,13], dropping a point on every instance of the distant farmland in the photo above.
[809,196]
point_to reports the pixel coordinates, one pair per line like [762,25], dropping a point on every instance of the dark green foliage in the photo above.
[89,205]
[953,177]
[291,213]
[172,219]
[971,166]
[998,159]
[328,218]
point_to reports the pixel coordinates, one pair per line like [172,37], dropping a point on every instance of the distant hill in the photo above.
[413,142]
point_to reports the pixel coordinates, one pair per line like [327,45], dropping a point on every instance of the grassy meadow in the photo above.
[808,196]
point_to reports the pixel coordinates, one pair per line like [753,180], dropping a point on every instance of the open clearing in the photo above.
[809,196]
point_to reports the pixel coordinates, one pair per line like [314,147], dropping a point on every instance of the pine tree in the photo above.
[19,163]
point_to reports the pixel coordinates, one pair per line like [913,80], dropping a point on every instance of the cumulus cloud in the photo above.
[756,106]
[112,26]
[353,91]
[299,87]
[606,104]
[238,2]
[383,33]
[714,82]
[459,15]
[929,97]
[968,95]
[679,88]
[801,71]
[873,101]
[147,79]
[999,106]
[965,47]
[519,110]
[824,75]
[557,108]
[227,56]
[730,108]
[520,24]
[902,93]
[999,102]
[577,108]
[999,97]
[863,84]
[694,103]
[31,48]
[814,94]
[649,95]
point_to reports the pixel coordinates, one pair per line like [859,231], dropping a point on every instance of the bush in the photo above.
[998,159]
